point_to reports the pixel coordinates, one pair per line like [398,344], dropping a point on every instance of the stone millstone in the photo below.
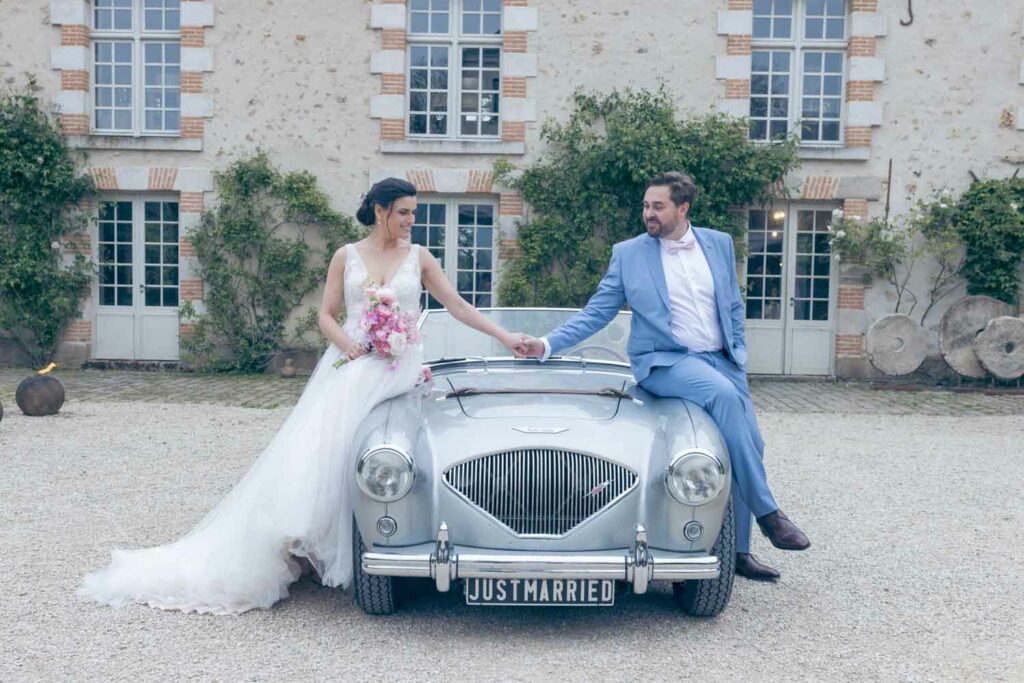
[896,344]
[960,325]
[1000,347]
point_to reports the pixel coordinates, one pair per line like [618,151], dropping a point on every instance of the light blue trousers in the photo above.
[715,383]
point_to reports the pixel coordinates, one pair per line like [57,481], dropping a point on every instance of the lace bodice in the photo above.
[405,283]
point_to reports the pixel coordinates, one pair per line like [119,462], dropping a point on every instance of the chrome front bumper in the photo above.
[638,566]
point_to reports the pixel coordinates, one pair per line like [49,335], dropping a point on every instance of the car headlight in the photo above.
[695,477]
[385,473]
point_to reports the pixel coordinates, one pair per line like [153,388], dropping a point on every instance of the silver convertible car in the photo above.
[524,483]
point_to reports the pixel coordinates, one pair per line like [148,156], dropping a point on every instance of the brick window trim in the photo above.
[857,138]
[77,125]
[393,136]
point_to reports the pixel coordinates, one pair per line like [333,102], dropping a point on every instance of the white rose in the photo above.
[840,233]
[398,342]
[837,215]
[54,245]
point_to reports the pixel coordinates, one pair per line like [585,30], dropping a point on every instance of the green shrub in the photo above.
[257,264]
[990,220]
[587,192]
[41,186]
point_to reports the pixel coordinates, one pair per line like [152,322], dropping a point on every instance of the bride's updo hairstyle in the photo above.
[384,194]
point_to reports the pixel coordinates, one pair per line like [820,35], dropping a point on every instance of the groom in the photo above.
[687,342]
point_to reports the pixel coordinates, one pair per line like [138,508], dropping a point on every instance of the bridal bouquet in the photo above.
[389,332]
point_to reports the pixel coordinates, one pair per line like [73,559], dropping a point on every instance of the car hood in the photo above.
[542,404]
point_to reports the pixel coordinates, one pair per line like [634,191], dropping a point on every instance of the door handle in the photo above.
[792,301]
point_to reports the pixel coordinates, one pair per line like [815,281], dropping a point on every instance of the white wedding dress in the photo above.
[296,499]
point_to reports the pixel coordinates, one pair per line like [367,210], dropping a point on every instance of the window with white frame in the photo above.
[798,61]
[136,67]
[461,234]
[138,250]
[454,79]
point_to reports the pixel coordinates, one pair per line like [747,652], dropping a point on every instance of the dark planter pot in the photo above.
[40,395]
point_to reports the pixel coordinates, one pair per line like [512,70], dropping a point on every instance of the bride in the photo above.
[295,500]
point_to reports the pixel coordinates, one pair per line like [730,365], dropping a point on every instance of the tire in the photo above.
[707,598]
[374,594]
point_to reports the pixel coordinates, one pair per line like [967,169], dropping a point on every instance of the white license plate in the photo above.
[541,592]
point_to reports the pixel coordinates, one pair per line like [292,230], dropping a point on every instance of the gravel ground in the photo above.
[915,573]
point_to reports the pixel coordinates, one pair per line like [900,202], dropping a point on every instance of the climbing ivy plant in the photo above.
[990,220]
[586,193]
[41,188]
[258,259]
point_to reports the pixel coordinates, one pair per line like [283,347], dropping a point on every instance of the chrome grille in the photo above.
[540,491]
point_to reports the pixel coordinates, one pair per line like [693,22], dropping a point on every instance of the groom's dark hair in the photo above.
[680,186]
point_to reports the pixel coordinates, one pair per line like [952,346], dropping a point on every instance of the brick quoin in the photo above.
[74,35]
[186,329]
[393,38]
[858,136]
[741,4]
[191,82]
[190,202]
[193,36]
[513,131]
[855,208]
[509,248]
[78,331]
[861,46]
[510,204]
[74,80]
[392,84]
[513,86]
[515,41]
[851,297]
[392,129]
[75,124]
[850,345]
[191,128]
[737,89]
[191,290]
[513,3]
[863,5]
[185,247]
[738,45]
[860,91]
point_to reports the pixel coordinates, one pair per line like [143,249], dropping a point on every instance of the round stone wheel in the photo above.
[1,412]
[40,395]
[960,325]
[896,345]
[1000,347]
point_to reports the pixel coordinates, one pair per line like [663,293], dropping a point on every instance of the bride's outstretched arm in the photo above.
[330,307]
[438,285]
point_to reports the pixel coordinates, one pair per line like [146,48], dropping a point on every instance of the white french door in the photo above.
[790,290]
[137,289]
[462,235]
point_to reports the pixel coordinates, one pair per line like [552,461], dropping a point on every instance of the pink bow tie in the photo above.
[675,246]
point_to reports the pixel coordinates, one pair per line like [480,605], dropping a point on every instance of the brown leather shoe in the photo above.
[783,533]
[748,566]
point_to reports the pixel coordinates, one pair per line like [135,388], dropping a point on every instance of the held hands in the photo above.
[520,344]
[526,346]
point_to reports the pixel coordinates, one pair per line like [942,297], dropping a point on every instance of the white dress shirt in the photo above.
[691,297]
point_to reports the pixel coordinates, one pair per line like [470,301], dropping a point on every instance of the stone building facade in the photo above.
[162,93]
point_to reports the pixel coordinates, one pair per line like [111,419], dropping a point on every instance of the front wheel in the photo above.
[709,597]
[374,594]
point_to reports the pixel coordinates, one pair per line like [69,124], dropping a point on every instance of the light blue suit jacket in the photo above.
[636,278]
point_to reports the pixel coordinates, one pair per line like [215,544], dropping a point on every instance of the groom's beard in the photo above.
[656,228]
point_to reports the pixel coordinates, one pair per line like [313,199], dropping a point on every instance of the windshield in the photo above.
[446,337]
